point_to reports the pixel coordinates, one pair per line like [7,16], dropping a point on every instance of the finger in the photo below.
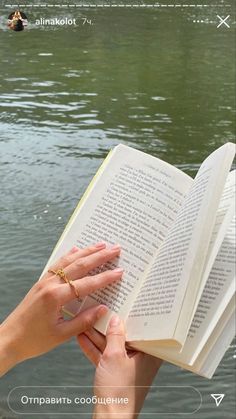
[115,337]
[89,349]
[83,321]
[82,266]
[64,261]
[87,285]
[91,249]
[74,254]
[96,338]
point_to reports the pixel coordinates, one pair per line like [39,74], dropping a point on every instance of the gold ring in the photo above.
[75,289]
[61,273]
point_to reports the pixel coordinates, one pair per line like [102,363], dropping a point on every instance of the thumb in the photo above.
[83,321]
[115,335]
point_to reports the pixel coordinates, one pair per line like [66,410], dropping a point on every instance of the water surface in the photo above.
[149,79]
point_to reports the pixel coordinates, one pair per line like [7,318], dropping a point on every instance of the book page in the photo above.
[216,354]
[134,203]
[222,241]
[219,289]
[216,346]
[211,354]
[206,359]
[170,289]
[218,292]
[224,217]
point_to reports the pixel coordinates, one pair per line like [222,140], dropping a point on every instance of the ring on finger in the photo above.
[61,273]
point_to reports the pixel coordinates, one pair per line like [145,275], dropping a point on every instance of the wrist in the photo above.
[8,351]
[113,412]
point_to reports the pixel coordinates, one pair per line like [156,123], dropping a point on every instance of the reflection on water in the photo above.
[152,80]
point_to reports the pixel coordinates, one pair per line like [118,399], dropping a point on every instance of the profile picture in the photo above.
[17,21]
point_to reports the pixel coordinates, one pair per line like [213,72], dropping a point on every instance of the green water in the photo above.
[151,79]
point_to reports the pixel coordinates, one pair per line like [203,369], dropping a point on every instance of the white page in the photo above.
[224,217]
[212,339]
[217,344]
[218,292]
[219,289]
[222,344]
[207,352]
[225,277]
[168,291]
[133,202]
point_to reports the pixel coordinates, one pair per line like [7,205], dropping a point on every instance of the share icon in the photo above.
[218,398]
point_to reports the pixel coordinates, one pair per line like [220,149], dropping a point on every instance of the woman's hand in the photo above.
[37,325]
[120,373]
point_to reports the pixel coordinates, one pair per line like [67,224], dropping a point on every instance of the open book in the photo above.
[177,236]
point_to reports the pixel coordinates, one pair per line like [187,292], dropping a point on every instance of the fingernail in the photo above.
[100,245]
[74,249]
[118,270]
[102,310]
[115,321]
[115,247]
